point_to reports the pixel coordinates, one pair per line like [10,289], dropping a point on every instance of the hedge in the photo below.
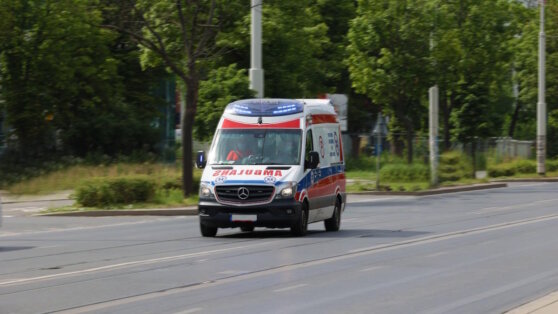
[124,190]
[519,166]
[405,172]
[454,166]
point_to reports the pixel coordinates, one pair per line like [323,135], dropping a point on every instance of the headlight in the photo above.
[288,191]
[205,191]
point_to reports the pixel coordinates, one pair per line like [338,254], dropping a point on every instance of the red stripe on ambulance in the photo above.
[230,124]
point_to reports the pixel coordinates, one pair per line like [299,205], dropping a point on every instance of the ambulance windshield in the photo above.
[257,147]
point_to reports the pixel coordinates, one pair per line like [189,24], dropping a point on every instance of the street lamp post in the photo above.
[541,105]
[256,71]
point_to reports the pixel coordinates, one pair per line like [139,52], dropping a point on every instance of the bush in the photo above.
[454,166]
[405,173]
[525,166]
[518,166]
[123,190]
[552,165]
[361,163]
[501,170]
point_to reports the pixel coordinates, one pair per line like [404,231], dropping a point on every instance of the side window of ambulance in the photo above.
[309,144]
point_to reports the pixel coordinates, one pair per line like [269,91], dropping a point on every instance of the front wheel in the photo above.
[334,223]
[208,231]
[300,227]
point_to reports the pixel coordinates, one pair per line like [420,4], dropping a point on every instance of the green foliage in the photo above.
[294,44]
[123,190]
[454,166]
[361,163]
[169,197]
[59,69]
[389,60]
[552,165]
[405,173]
[223,86]
[509,169]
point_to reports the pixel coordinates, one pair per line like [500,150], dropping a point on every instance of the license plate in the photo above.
[241,218]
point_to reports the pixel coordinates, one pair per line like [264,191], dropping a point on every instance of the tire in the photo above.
[300,227]
[207,231]
[334,223]
[247,228]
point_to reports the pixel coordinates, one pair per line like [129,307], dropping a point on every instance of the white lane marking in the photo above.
[7,216]
[11,234]
[530,184]
[435,254]
[372,268]
[127,264]
[49,247]
[501,208]
[371,200]
[291,288]
[233,272]
[292,267]
[197,309]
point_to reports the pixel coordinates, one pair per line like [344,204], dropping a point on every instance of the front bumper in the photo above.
[277,214]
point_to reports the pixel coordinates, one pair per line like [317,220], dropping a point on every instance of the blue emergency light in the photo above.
[264,107]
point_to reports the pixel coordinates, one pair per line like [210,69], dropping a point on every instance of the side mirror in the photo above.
[201,160]
[313,160]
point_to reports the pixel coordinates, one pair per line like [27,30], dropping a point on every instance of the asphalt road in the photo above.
[475,252]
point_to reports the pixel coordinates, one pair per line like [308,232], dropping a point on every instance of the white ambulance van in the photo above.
[274,163]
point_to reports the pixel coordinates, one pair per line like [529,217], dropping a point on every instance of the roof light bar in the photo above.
[264,107]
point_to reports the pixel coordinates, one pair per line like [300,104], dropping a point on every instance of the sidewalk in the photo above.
[545,305]
[8,198]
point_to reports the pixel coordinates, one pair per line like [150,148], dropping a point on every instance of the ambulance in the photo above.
[274,163]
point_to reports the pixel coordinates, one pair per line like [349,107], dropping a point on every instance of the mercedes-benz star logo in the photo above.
[243,193]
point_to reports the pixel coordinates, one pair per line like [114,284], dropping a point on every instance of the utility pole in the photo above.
[541,105]
[433,134]
[379,131]
[256,71]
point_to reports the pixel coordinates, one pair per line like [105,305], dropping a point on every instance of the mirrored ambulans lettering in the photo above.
[247,172]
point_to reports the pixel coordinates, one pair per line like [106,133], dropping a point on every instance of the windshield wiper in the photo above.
[268,163]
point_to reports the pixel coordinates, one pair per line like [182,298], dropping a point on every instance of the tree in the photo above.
[294,42]
[471,46]
[180,35]
[389,61]
[526,62]
[54,61]
[223,86]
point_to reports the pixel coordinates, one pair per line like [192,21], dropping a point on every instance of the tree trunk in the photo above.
[474,156]
[515,117]
[192,84]
[446,112]
[355,142]
[410,135]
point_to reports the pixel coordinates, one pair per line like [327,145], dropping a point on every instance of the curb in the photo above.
[546,304]
[437,191]
[182,211]
[193,210]
[526,180]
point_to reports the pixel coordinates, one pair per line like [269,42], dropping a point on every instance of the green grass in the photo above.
[70,178]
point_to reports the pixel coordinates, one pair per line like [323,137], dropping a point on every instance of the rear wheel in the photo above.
[248,228]
[334,223]
[300,227]
[208,231]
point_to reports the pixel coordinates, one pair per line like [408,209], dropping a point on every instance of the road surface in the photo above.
[474,252]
